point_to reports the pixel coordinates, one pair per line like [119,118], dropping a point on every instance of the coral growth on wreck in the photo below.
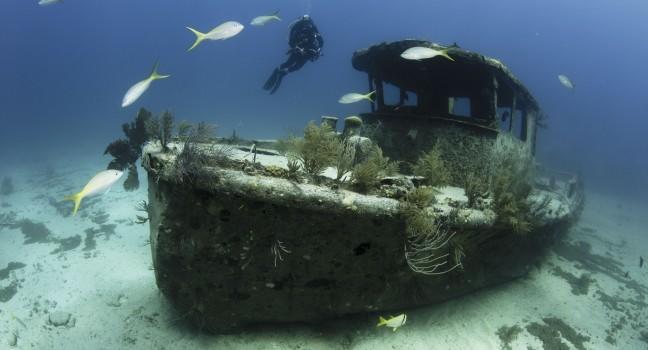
[367,174]
[126,151]
[419,197]
[344,160]
[142,206]
[510,187]
[429,246]
[316,151]
[432,168]
[293,169]
[476,189]
[161,129]
[198,153]
[132,180]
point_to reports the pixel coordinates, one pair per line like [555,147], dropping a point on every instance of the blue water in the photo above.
[65,68]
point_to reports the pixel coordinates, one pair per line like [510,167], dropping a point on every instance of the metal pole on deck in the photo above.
[371,88]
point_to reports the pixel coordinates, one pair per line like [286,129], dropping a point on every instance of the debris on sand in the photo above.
[60,318]
[12,339]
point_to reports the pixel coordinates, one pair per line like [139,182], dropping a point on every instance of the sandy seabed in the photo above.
[86,282]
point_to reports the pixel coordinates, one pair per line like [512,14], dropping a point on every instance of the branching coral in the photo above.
[126,151]
[316,151]
[166,129]
[286,146]
[191,162]
[123,154]
[511,188]
[143,207]
[136,131]
[344,160]
[319,149]
[293,169]
[419,198]
[145,127]
[432,167]
[132,180]
[367,174]
[184,129]
[196,156]
[276,249]
[476,188]
[202,132]
[161,128]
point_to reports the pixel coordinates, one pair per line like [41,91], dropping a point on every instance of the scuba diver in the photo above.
[305,44]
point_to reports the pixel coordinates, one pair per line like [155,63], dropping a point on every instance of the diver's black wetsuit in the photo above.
[305,44]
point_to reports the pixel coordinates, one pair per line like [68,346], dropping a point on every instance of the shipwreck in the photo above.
[432,194]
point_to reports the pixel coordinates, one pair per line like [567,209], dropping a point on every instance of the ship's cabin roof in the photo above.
[472,90]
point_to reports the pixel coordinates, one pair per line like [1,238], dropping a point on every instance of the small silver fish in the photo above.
[421,53]
[221,32]
[355,97]
[135,91]
[98,185]
[49,2]
[263,20]
[393,322]
[565,81]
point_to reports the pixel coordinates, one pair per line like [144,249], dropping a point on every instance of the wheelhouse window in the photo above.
[459,107]
[520,125]
[395,98]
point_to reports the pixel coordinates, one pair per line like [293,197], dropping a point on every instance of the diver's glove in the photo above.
[314,54]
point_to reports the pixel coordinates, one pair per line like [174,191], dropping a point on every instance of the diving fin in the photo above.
[274,81]
[271,81]
[280,75]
